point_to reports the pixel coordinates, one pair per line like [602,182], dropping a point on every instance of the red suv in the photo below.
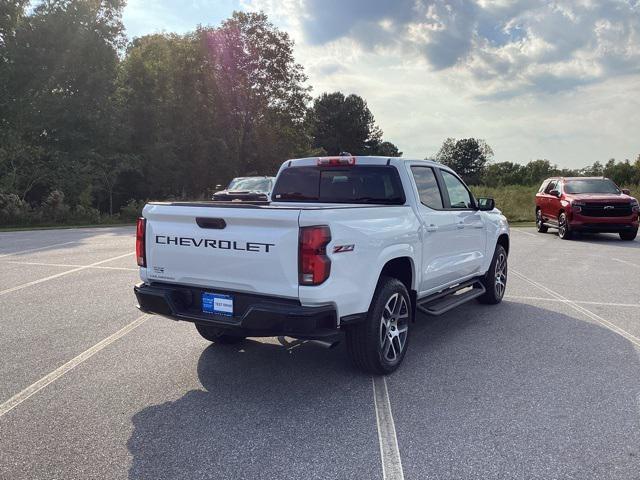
[586,204]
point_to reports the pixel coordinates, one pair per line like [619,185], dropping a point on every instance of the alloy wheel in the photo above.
[562,226]
[394,327]
[501,275]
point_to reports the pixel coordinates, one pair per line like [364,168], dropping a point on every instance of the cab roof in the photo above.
[359,160]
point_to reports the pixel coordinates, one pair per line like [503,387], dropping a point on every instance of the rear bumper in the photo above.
[253,316]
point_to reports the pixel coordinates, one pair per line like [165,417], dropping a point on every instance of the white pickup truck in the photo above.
[349,247]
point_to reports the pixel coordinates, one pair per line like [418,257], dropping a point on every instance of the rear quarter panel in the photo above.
[378,234]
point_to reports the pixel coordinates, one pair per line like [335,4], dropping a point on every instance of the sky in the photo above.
[558,80]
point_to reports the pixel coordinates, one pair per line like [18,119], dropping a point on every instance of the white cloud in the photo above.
[536,79]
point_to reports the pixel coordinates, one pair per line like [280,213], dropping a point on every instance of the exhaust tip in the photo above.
[324,344]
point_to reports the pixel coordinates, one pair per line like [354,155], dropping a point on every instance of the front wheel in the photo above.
[540,226]
[628,236]
[495,281]
[217,335]
[379,343]
[564,231]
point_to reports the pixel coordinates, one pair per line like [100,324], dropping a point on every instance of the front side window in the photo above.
[427,185]
[543,186]
[552,186]
[459,196]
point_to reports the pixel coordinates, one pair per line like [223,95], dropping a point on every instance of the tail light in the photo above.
[314,265]
[141,254]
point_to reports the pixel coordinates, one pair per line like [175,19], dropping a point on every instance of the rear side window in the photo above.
[427,187]
[359,184]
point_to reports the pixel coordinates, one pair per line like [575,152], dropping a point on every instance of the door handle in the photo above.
[460,225]
[432,228]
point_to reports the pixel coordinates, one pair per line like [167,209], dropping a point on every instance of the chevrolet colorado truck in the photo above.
[586,204]
[349,247]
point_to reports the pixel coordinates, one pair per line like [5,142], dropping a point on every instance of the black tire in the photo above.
[217,335]
[629,236]
[564,231]
[384,331]
[540,226]
[495,280]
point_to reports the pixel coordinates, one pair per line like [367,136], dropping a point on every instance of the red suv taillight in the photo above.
[141,227]
[313,264]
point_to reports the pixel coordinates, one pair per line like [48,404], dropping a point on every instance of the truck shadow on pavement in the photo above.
[511,391]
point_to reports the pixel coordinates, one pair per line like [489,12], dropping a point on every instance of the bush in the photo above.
[132,210]
[13,210]
[82,214]
[55,210]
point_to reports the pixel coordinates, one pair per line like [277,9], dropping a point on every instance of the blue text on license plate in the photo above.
[217,303]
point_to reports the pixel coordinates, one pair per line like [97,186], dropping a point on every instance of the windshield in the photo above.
[591,185]
[256,184]
[362,184]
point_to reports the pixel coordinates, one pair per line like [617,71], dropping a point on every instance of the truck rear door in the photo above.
[245,249]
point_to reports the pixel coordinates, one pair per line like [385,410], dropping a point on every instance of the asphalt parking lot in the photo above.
[545,385]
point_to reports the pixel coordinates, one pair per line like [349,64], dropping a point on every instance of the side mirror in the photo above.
[626,191]
[486,204]
[555,193]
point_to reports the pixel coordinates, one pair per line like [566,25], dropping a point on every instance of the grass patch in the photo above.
[23,228]
[517,202]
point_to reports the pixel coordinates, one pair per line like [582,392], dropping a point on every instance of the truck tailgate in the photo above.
[238,249]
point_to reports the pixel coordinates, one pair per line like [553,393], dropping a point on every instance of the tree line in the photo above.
[471,158]
[92,124]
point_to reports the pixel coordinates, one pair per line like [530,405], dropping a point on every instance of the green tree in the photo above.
[623,173]
[503,173]
[262,96]
[595,170]
[57,93]
[468,157]
[345,124]
[386,149]
[537,170]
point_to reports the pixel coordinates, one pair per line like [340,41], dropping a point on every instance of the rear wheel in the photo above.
[495,281]
[542,228]
[629,236]
[379,343]
[217,335]
[564,231]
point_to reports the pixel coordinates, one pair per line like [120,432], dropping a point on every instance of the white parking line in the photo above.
[389,452]
[626,263]
[36,249]
[583,302]
[34,388]
[58,275]
[41,264]
[515,229]
[605,323]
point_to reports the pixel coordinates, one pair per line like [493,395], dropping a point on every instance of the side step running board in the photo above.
[442,302]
